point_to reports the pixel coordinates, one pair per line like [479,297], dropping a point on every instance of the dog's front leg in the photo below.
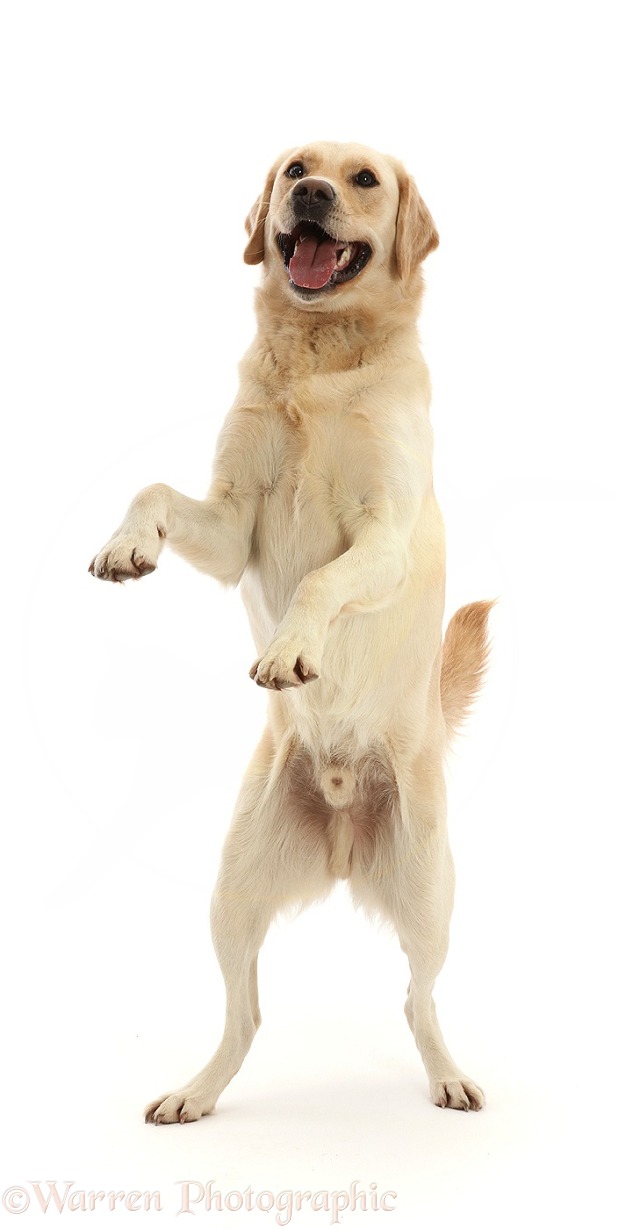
[366,577]
[213,534]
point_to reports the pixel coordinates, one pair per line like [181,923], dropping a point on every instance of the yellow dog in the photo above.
[322,507]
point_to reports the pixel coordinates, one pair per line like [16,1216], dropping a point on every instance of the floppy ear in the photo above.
[254,223]
[257,216]
[416,234]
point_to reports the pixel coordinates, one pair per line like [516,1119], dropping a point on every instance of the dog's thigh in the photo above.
[405,871]
[276,852]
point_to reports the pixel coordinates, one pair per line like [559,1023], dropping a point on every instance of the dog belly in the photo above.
[374,687]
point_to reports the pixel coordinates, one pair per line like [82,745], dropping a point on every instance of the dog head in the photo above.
[334,218]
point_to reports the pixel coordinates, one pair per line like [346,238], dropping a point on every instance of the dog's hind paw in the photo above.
[187,1105]
[457,1094]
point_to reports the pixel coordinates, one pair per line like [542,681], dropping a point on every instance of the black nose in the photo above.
[310,192]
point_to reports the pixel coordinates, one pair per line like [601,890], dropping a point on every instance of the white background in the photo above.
[135,137]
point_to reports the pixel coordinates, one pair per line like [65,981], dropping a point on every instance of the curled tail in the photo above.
[465,654]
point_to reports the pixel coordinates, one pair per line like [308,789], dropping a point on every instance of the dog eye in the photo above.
[366,179]
[295,171]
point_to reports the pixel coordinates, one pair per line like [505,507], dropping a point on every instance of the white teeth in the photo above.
[344,258]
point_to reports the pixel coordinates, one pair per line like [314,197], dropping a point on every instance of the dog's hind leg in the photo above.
[274,855]
[410,880]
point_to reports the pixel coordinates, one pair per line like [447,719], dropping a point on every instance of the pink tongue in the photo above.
[313,263]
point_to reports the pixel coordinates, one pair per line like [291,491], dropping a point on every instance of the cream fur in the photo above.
[322,508]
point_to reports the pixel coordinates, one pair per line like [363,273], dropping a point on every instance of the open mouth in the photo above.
[318,261]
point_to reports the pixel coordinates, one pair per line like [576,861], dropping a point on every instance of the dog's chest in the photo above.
[310,502]
[307,496]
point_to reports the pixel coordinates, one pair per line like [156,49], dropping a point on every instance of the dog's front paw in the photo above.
[285,664]
[125,558]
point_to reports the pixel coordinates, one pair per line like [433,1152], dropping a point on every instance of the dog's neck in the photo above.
[296,342]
